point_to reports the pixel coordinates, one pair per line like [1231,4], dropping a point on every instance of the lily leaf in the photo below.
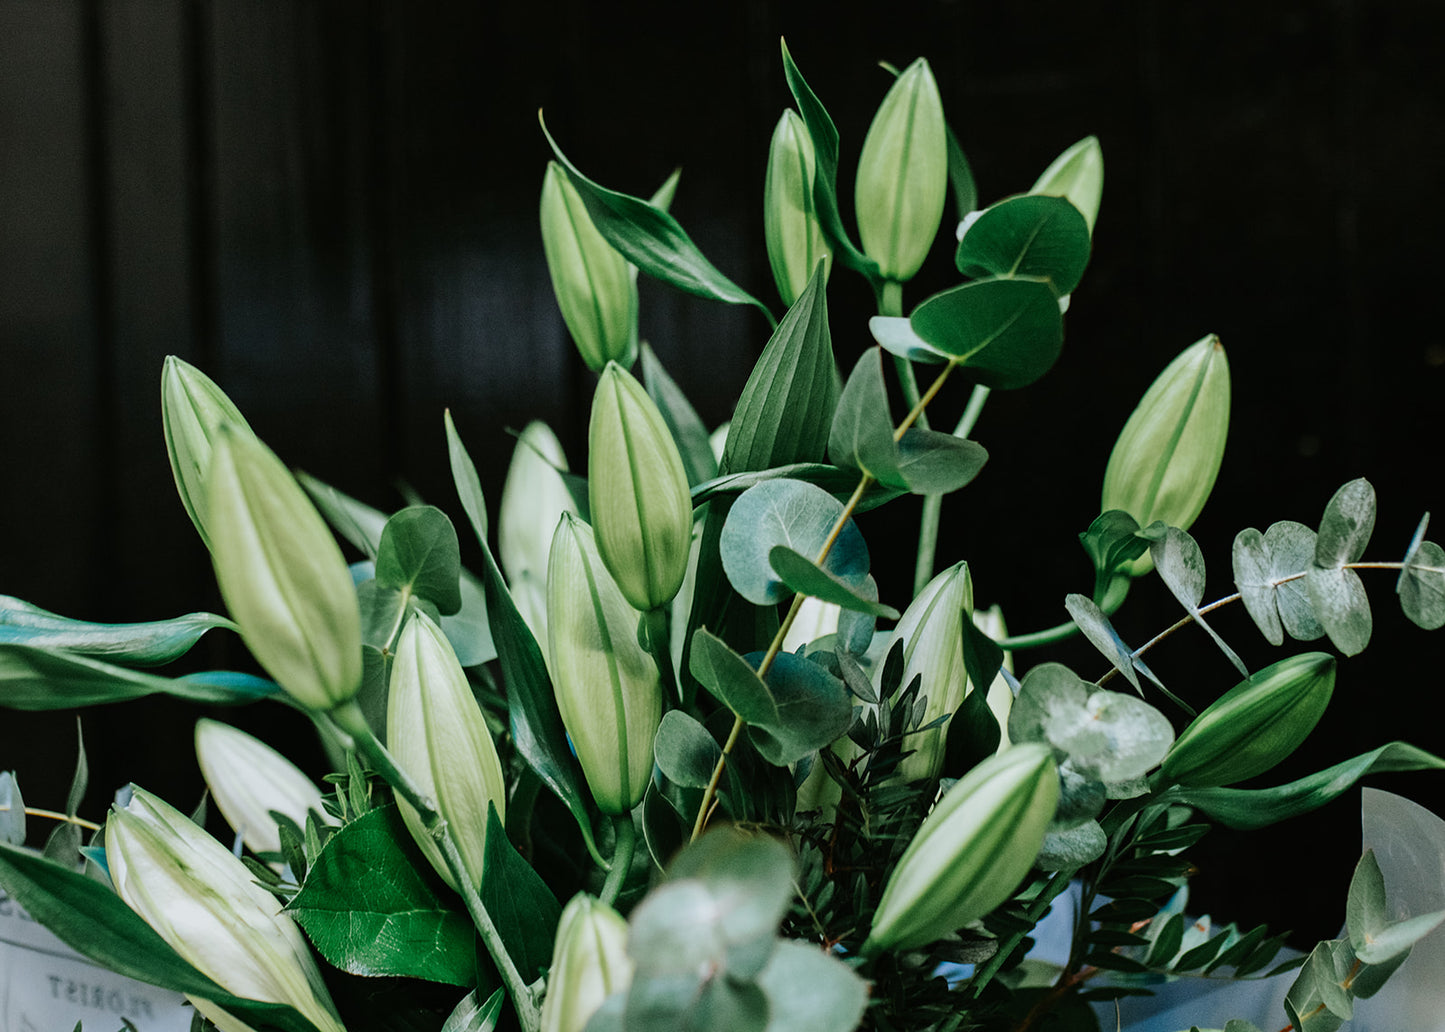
[134,644]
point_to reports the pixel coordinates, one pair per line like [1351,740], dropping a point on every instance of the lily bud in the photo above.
[437,734]
[1255,724]
[533,497]
[903,175]
[192,410]
[589,964]
[1077,175]
[207,906]
[594,288]
[249,781]
[637,488]
[609,690]
[932,634]
[1166,458]
[971,852]
[282,575]
[791,229]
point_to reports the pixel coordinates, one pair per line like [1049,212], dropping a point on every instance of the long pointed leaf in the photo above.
[132,644]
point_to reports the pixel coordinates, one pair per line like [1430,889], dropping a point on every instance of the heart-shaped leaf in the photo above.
[1006,332]
[1030,235]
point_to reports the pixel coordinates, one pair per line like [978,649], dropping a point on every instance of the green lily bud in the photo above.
[1166,458]
[1077,175]
[282,575]
[903,175]
[533,497]
[637,488]
[589,964]
[204,902]
[192,410]
[790,222]
[932,634]
[437,734]
[249,781]
[1255,724]
[609,690]
[595,290]
[971,852]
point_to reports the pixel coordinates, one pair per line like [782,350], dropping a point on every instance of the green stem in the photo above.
[1109,604]
[1035,913]
[932,516]
[655,627]
[349,723]
[622,850]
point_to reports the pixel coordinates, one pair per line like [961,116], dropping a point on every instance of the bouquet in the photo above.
[668,759]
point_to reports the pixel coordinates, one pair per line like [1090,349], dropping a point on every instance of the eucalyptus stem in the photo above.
[1109,605]
[932,516]
[55,815]
[625,844]
[350,724]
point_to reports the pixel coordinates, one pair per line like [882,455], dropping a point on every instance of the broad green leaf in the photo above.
[837,481]
[1421,585]
[810,991]
[685,753]
[786,407]
[368,909]
[533,717]
[1247,808]
[135,644]
[681,419]
[519,902]
[357,522]
[92,920]
[895,334]
[806,577]
[38,679]
[1107,735]
[651,239]
[973,732]
[932,462]
[825,169]
[862,432]
[419,555]
[1031,235]
[1181,566]
[1318,1002]
[795,710]
[472,1015]
[1348,521]
[792,513]
[1373,936]
[1006,332]
[464,475]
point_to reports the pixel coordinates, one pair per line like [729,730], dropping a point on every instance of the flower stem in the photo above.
[622,850]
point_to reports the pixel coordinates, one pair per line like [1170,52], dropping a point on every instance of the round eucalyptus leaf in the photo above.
[1106,735]
[1072,848]
[1421,585]
[792,513]
[1342,607]
[684,751]
[1006,332]
[1251,576]
[1291,549]
[1031,235]
[809,991]
[1346,525]
[895,334]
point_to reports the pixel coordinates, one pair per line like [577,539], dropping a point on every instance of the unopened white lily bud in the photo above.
[533,497]
[589,964]
[249,781]
[207,906]
[193,409]
[437,734]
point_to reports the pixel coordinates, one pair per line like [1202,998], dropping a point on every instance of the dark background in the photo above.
[331,209]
